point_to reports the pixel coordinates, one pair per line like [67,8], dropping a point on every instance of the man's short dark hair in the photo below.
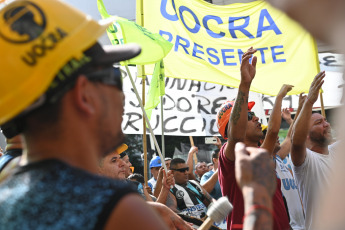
[137,177]
[215,154]
[176,161]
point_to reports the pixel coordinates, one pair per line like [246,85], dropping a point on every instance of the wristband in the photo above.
[256,207]
[309,101]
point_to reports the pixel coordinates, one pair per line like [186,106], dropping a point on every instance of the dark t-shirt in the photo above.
[51,194]
[230,188]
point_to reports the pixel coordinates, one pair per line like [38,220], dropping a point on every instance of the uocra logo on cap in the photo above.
[23,22]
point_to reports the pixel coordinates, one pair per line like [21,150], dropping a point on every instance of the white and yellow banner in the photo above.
[209,41]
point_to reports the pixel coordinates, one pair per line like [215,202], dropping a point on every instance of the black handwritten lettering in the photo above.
[211,130]
[179,105]
[166,101]
[195,84]
[207,89]
[136,101]
[182,129]
[203,124]
[130,122]
[166,130]
[181,83]
[200,107]
[216,104]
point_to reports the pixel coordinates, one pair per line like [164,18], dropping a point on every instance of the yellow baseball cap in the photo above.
[39,40]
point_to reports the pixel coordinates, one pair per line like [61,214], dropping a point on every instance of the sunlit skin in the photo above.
[254,130]
[181,178]
[112,166]
[128,164]
[201,169]
[319,130]
[167,163]
[154,172]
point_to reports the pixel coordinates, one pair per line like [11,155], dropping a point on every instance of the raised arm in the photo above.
[158,183]
[238,120]
[209,183]
[285,147]
[275,120]
[301,126]
[165,197]
[286,115]
[193,150]
[255,176]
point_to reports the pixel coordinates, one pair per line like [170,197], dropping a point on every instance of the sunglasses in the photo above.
[251,115]
[108,76]
[182,170]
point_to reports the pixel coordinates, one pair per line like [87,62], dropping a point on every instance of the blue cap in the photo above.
[155,162]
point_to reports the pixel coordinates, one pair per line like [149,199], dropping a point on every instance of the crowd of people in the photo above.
[65,164]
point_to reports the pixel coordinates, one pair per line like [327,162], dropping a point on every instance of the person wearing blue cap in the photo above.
[155,165]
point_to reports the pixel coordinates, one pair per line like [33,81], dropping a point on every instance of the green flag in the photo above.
[123,31]
[157,88]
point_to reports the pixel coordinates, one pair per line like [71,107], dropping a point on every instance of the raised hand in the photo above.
[168,179]
[284,90]
[315,87]
[193,150]
[219,143]
[286,115]
[253,166]
[248,70]
[301,100]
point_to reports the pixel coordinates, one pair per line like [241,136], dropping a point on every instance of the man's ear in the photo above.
[84,95]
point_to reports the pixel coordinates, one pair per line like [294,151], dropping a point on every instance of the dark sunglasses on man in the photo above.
[182,170]
[251,115]
[108,76]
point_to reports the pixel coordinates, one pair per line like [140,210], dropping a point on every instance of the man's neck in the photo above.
[250,143]
[316,147]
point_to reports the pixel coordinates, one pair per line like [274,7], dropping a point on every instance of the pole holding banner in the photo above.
[141,71]
[162,122]
[146,118]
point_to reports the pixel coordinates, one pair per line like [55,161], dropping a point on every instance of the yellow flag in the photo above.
[123,31]
[157,88]
[209,41]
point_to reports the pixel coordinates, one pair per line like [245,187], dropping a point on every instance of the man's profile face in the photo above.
[112,166]
[155,171]
[128,164]
[319,129]
[181,178]
[201,169]
[110,118]
[254,130]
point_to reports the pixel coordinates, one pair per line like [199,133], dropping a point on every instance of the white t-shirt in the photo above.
[290,191]
[152,183]
[312,178]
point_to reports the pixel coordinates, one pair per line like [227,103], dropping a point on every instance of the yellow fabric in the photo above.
[217,50]
[55,33]
[124,31]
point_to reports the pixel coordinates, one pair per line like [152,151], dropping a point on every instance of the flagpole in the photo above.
[146,118]
[141,71]
[162,124]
